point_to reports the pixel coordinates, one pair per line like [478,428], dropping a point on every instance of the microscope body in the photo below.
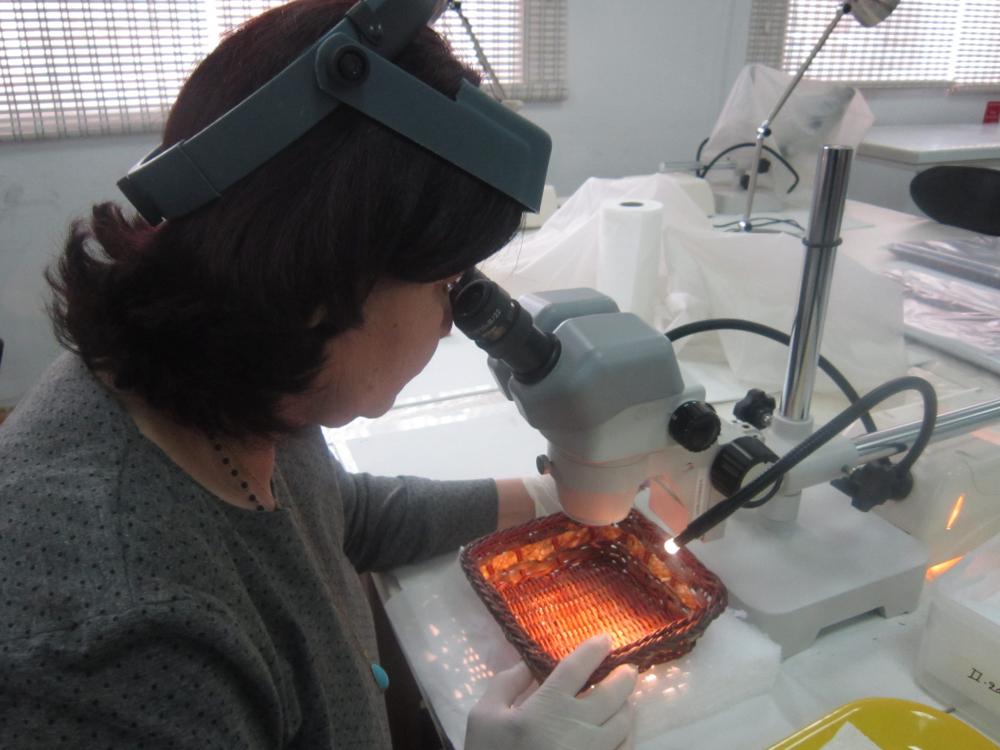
[610,409]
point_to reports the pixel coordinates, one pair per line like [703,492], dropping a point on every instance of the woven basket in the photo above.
[553,583]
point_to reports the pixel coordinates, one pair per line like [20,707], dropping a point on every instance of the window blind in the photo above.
[924,42]
[524,42]
[231,13]
[81,67]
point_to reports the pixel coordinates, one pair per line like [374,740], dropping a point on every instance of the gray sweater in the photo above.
[137,610]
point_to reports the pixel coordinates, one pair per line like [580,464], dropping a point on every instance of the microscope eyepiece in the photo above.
[502,328]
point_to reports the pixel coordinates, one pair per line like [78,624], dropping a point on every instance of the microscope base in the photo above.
[831,564]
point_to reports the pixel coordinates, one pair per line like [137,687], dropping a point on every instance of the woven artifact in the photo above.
[553,583]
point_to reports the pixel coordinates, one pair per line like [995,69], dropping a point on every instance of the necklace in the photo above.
[237,477]
[378,672]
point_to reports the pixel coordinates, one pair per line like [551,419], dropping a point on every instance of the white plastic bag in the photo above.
[757,277]
[817,113]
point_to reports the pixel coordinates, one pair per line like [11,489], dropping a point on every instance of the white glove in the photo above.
[541,488]
[553,717]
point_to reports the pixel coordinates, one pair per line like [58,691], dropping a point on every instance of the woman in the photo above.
[178,549]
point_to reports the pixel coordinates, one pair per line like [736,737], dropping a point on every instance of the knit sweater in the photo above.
[137,610]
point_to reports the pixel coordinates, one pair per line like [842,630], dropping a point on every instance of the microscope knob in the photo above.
[755,408]
[694,425]
[738,463]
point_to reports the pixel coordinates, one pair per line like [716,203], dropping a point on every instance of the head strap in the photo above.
[348,65]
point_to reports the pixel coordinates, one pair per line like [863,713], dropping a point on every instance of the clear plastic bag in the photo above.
[955,315]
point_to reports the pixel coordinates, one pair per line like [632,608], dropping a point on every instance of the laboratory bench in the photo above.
[890,156]
[930,145]
[452,422]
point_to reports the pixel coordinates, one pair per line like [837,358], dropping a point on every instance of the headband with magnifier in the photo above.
[350,65]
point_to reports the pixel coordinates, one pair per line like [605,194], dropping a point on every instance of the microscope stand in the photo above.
[831,564]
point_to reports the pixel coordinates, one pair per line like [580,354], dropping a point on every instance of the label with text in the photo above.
[963,656]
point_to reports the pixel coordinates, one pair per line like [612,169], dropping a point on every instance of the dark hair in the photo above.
[212,317]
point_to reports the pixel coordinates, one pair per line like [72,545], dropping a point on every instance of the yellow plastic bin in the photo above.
[891,724]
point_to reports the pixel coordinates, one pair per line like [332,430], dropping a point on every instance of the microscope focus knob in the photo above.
[755,408]
[694,425]
[738,463]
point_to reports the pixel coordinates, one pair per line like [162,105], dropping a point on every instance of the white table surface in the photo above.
[452,423]
[926,145]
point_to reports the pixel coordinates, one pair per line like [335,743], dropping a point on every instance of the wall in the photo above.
[646,81]
[43,186]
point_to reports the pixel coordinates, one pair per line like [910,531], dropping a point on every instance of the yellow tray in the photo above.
[891,723]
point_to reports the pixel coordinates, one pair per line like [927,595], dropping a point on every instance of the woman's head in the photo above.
[218,317]
[368,365]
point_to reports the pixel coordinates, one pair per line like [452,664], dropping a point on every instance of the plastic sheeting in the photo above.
[815,114]
[706,273]
[975,582]
[956,315]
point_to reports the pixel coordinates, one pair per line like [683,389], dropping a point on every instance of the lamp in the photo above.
[868,13]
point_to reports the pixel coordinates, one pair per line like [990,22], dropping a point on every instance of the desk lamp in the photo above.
[868,13]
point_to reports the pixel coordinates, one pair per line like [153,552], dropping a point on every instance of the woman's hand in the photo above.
[553,716]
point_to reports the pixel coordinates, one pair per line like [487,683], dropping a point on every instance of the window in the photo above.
[924,42]
[524,42]
[96,67]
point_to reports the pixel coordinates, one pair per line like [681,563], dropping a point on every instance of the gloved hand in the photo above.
[542,490]
[553,717]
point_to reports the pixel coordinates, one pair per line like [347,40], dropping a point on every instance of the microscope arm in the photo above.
[885,443]
[842,454]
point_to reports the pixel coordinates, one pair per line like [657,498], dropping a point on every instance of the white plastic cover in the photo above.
[817,113]
[707,273]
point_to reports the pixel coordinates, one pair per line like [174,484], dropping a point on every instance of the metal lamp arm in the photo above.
[764,129]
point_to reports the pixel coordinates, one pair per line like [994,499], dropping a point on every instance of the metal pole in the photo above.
[764,129]
[885,443]
[829,194]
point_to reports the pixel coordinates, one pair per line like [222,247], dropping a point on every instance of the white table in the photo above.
[926,145]
[890,156]
[453,423]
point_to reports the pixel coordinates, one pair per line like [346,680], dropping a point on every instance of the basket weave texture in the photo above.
[553,583]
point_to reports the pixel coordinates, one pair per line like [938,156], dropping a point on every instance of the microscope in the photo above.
[748,493]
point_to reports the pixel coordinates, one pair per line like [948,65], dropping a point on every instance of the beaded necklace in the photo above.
[232,468]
